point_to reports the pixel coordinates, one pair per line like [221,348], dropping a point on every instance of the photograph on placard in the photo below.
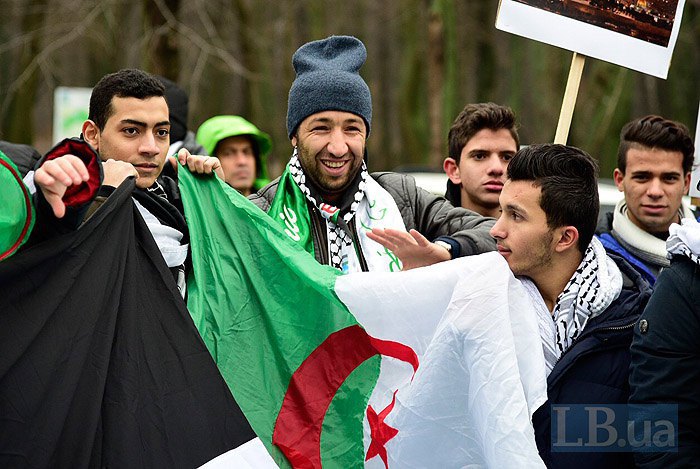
[637,34]
[648,20]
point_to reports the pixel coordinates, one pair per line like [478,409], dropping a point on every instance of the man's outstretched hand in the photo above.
[412,248]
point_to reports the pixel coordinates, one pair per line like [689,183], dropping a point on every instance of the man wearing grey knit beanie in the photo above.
[329,203]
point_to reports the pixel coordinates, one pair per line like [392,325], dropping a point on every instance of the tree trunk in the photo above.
[162,53]
[18,118]
[436,79]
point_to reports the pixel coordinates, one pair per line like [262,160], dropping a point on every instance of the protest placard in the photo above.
[70,109]
[637,34]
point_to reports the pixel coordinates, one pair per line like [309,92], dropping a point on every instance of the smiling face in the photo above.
[522,235]
[654,184]
[331,146]
[237,158]
[138,132]
[481,171]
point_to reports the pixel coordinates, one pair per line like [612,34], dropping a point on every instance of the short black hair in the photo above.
[567,177]
[656,132]
[476,117]
[126,83]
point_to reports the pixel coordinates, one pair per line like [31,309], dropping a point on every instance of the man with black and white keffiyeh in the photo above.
[587,302]
[328,203]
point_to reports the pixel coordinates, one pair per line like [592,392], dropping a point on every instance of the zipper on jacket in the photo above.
[617,328]
[318,233]
[358,247]
[610,328]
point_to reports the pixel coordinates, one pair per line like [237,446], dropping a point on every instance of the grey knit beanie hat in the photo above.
[328,79]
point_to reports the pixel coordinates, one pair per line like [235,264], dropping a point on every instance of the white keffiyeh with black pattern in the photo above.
[372,207]
[596,283]
[339,236]
[684,239]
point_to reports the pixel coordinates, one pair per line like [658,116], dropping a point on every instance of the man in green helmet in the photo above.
[241,147]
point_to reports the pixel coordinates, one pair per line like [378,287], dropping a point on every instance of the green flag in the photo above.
[278,307]
[17,214]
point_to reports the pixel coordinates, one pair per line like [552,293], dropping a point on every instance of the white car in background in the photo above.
[436,183]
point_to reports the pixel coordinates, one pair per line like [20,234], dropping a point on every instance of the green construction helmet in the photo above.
[217,128]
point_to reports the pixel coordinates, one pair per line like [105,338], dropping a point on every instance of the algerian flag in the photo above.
[435,367]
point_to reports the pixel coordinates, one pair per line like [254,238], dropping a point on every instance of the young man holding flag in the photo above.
[327,201]
[100,363]
[128,127]
[587,302]
[433,367]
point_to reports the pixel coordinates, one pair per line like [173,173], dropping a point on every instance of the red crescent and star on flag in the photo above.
[297,431]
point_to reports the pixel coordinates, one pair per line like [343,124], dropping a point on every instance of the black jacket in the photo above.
[595,370]
[24,156]
[666,360]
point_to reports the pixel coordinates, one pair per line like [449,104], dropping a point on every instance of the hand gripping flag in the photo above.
[435,367]
[100,362]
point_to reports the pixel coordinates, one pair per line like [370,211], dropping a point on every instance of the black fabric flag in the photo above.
[100,362]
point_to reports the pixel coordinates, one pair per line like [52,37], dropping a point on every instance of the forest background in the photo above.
[426,60]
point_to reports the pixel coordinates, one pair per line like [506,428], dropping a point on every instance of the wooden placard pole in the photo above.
[570,95]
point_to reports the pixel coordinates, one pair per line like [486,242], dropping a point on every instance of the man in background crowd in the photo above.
[654,161]
[240,147]
[179,109]
[482,140]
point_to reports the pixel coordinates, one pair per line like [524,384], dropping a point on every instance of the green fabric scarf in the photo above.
[290,210]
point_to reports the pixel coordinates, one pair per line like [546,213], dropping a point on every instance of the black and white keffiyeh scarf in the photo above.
[367,204]
[684,239]
[339,234]
[596,283]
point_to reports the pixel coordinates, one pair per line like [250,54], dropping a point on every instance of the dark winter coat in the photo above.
[612,245]
[666,360]
[595,370]
[86,198]
[24,156]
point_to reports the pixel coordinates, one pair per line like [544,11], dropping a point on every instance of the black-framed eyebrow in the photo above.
[514,208]
[143,124]
[649,174]
[481,151]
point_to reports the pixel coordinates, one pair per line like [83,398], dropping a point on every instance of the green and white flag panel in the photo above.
[435,367]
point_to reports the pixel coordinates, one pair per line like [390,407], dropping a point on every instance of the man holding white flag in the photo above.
[587,302]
